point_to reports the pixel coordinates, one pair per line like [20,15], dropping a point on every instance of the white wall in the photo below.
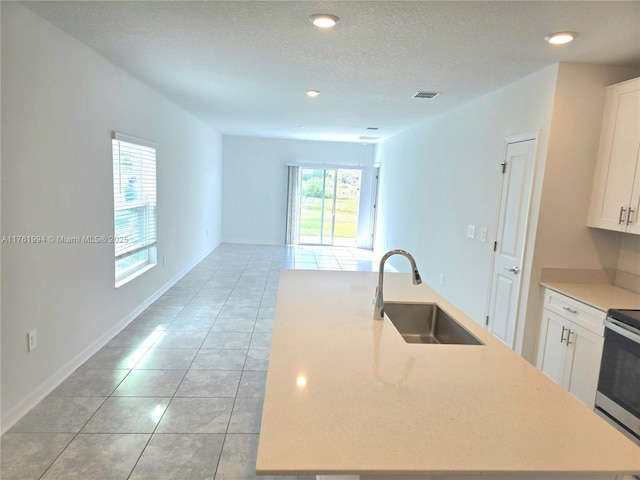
[444,175]
[60,103]
[562,237]
[570,167]
[254,189]
[629,258]
[628,271]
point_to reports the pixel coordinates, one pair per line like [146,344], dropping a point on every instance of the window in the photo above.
[134,203]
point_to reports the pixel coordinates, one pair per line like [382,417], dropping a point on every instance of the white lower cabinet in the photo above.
[570,347]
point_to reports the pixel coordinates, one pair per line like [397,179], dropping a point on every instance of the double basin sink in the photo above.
[427,323]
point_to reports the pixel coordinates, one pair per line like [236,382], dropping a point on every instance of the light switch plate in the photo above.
[482,235]
[471,231]
[32,340]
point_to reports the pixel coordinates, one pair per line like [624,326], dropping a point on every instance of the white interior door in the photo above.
[510,240]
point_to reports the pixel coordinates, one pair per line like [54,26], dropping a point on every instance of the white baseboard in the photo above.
[11,417]
[249,242]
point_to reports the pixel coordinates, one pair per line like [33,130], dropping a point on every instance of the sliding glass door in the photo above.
[347,207]
[317,201]
[328,206]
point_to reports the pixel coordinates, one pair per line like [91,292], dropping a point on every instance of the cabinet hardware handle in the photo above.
[629,215]
[620,219]
[562,334]
[570,310]
[569,332]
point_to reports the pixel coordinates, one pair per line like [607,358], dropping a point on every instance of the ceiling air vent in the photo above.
[426,94]
[365,138]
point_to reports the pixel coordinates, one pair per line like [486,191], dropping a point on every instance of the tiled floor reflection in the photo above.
[178,393]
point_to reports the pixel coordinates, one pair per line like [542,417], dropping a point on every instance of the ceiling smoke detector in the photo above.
[426,94]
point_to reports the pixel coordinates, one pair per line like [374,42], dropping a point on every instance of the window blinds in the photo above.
[135,200]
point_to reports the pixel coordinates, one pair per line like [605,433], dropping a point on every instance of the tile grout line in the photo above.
[224,440]
[180,384]
[135,464]
[270,276]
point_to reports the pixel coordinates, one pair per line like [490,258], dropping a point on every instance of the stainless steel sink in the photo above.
[427,323]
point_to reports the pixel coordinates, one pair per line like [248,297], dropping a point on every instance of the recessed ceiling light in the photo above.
[560,38]
[313,93]
[324,20]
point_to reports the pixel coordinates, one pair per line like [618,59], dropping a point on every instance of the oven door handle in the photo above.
[623,329]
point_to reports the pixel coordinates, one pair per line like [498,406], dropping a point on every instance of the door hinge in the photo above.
[495,246]
[486,320]
[504,166]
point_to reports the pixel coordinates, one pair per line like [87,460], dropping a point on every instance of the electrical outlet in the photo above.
[32,340]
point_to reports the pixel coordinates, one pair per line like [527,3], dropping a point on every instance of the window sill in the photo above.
[135,274]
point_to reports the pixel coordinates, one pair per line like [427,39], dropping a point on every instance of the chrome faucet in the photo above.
[378,311]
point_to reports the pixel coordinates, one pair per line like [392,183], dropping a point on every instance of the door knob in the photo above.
[515,270]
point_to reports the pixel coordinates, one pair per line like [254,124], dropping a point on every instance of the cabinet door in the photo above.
[583,364]
[617,157]
[633,224]
[554,353]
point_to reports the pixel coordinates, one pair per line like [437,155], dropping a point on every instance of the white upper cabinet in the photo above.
[615,199]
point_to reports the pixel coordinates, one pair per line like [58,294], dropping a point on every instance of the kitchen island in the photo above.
[346,395]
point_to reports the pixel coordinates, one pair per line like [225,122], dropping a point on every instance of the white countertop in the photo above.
[373,404]
[598,295]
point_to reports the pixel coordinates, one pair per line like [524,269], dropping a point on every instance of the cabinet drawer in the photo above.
[575,311]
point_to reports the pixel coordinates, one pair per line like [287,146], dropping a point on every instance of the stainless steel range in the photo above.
[618,396]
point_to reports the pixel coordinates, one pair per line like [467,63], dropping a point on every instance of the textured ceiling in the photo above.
[243,66]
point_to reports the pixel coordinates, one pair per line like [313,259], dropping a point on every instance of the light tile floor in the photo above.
[178,393]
